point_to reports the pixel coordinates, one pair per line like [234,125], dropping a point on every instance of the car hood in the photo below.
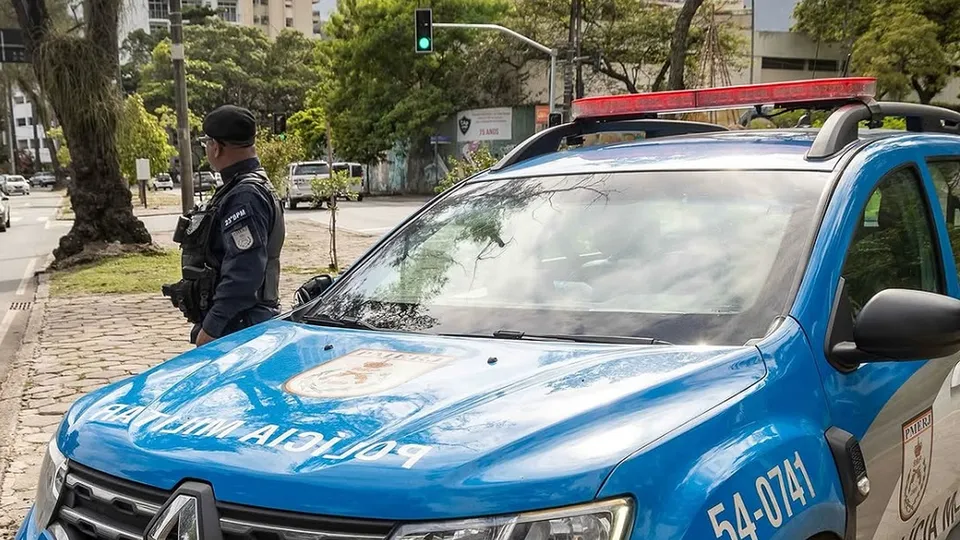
[395,425]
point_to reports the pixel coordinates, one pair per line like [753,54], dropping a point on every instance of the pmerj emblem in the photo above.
[917,455]
[243,238]
[363,372]
[464,123]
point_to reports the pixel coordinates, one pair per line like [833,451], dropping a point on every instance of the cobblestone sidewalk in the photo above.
[76,345]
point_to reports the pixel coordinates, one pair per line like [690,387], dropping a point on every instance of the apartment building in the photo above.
[28,134]
[271,16]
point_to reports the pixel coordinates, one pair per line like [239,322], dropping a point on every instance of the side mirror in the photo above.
[902,324]
[312,288]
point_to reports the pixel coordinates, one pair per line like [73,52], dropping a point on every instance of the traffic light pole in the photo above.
[523,38]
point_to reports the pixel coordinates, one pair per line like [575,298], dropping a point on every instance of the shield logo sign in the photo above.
[362,372]
[917,454]
[464,124]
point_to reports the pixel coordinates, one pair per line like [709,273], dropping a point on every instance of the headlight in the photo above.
[53,472]
[607,520]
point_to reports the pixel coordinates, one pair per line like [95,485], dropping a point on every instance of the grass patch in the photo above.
[126,274]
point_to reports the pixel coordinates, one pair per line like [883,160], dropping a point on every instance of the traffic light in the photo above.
[279,123]
[424,30]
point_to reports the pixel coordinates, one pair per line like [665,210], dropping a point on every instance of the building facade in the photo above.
[271,16]
[28,134]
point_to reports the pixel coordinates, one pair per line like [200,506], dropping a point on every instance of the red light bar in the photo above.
[729,97]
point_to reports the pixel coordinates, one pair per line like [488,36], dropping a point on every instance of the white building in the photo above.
[29,135]
[271,16]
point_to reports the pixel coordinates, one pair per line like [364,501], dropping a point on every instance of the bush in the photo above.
[471,164]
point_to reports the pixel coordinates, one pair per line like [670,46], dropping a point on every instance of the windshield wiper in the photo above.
[578,338]
[342,322]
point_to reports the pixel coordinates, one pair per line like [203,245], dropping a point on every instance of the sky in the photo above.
[773,15]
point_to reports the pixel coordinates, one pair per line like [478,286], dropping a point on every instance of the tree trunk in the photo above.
[661,77]
[678,43]
[77,75]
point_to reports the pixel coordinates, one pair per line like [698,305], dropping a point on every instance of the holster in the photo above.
[193,295]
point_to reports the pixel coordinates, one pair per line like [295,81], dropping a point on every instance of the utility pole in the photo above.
[11,128]
[180,88]
[568,65]
[579,43]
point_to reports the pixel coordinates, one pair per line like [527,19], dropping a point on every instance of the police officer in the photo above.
[231,246]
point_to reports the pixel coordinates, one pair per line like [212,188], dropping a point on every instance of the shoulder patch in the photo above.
[236,216]
[242,238]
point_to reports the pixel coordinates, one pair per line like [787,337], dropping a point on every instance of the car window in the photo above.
[946,180]
[688,257]
[893,246]
[311,169]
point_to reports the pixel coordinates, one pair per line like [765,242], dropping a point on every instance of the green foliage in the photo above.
[137,50]
[909,45]
[310,126]
[323,188]
[229,63]
[63,153]
[471,164]
[378,90]
[140,135]
[275,156]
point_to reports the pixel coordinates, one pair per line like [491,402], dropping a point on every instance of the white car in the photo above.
[16,184]
[4,212]
[299,177]
[162,181]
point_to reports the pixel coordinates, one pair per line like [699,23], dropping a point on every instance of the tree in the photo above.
[63,153]
[380,91]
[328,188]
[471,164]
[631,39]
[290,71]
[228,63]
[141,135]
[276,154]
[909,45]
[137,49]
[901,50]
[76,73]
[309,125]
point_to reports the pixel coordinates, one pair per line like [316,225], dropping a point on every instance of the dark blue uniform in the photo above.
[239,241]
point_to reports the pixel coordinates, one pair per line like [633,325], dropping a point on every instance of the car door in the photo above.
[901,412]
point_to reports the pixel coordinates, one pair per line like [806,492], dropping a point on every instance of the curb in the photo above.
[11,389]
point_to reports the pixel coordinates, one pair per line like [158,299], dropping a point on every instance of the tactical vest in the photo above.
[197,261]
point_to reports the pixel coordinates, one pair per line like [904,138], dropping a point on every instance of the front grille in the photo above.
[101,507]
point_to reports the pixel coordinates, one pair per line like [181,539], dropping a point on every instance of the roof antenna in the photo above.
[804,121]
[846,65]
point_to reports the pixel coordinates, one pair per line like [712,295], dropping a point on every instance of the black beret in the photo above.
[231,124]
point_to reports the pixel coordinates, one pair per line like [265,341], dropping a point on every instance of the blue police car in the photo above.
[704,334]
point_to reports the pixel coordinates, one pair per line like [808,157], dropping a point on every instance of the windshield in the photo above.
[686,257]
[310,169]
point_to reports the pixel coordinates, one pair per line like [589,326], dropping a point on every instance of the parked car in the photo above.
[4,211]
[298,181]
[162,181]
[17,184]
[43,179]
[356,171]
[204,181]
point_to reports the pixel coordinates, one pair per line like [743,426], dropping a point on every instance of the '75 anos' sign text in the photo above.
[295,440]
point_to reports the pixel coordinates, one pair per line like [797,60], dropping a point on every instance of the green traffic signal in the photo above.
[423,23]
[424,44]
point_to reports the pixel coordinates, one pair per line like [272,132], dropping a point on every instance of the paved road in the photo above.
[32,235]
[374,216]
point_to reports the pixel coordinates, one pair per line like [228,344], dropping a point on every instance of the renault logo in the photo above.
[189,514]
